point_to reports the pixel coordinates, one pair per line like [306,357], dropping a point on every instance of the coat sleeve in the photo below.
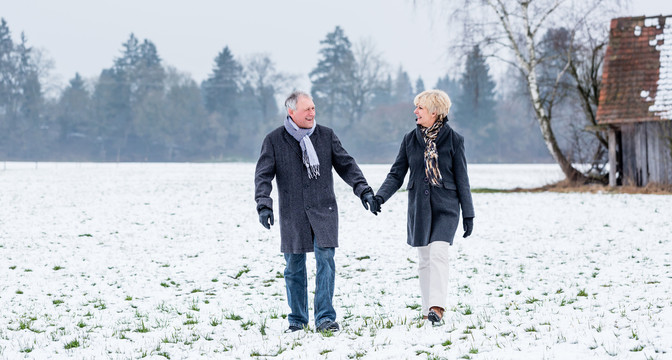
[395,178]
[347,168]
[462,179]
[264,174]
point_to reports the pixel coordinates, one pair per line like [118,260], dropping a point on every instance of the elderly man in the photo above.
[300,155]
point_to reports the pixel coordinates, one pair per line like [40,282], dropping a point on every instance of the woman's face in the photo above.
[424,117]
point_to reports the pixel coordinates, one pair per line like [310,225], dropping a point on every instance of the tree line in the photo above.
[138,109]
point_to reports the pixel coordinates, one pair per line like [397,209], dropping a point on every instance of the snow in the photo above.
[662,105]
[160,260]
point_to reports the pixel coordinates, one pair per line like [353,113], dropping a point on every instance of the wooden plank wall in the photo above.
[628,143]
[647,156]
[659,153]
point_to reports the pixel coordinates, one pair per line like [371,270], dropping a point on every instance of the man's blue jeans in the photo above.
[296,281]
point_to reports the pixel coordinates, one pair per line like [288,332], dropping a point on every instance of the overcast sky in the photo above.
[85,36]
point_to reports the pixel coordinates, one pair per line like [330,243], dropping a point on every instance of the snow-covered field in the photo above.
[168,260]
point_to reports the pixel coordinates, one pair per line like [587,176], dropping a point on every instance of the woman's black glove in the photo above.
[369,202]
[468,225]
[266,215]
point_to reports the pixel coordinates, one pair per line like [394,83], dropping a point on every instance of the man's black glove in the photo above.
[369,202]
[468,225]
[379,201]
[266,214]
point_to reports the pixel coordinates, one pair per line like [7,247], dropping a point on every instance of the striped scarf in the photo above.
[431,155]
[310,160]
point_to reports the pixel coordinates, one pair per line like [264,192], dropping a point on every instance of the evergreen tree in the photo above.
[332,79]
[184,129]
[419,85]
[383,95]
[222,87]
[7,73]
[221,92]
[30,133]
[128,99]
[476,112]
[75,117]
[452,88]
[403,90]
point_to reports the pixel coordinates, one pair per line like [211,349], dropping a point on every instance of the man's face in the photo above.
[304,115]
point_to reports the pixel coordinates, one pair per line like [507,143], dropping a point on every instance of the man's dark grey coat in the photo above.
[305,203]
[433,212]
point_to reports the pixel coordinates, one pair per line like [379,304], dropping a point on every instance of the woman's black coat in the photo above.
[433,211]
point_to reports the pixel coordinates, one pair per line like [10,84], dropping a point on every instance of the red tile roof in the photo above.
[637,73]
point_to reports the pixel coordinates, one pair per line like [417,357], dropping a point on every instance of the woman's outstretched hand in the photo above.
[468,225]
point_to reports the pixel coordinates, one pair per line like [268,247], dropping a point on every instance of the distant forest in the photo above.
[140,110]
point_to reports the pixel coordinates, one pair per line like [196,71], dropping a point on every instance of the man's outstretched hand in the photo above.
[369,202]
[266,217]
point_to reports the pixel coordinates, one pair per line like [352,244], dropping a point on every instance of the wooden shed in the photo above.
[636,100]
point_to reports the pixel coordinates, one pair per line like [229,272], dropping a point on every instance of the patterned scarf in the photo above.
[431,155]
[301,135]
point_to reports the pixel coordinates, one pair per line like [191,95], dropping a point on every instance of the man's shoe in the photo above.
[328,326]
[293,328]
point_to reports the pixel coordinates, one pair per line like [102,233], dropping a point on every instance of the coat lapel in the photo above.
[292,143]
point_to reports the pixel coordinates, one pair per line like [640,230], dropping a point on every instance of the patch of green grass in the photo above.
[215,322]
[247,325]
[81,324]
[72,344]
[637,348]
[413,306]
[196,291]
[487,191]
[325,351]
[357,355]
[447,343]
[191,320]
[12,267]
[232,316]
[129,298]
[142,329]
[57,302]
[57,267]
[582,292]
[363,257]
[100,305]
[240,273]
[19,292]
[165,285]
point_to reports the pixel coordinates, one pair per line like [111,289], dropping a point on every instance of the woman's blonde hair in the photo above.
[435,101]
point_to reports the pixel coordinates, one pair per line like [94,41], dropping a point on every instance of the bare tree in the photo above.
[512,31]
[267,82]
[369,75]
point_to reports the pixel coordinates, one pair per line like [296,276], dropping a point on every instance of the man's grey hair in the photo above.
[290,103]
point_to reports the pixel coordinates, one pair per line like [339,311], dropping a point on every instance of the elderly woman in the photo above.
[438,186]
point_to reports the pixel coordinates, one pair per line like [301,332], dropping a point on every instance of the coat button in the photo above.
[426,192]
[426,180]
[307,207]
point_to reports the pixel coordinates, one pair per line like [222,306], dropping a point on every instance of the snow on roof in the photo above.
[637,73]
[662,105]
